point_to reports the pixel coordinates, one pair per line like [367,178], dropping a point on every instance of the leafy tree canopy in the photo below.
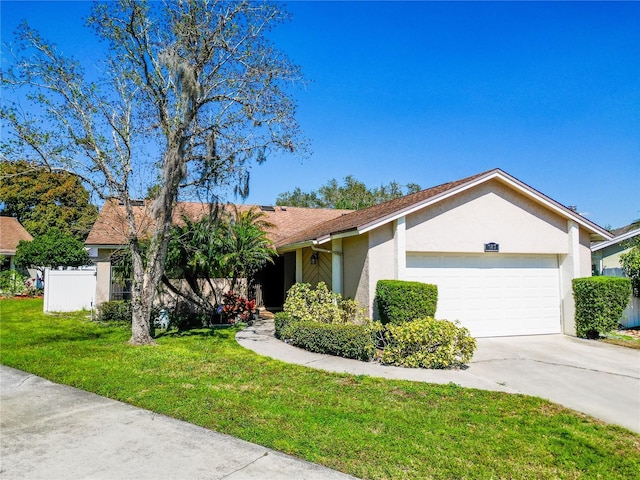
[53,249]
[351,195]
[42,199]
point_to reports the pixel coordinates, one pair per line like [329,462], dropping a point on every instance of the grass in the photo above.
[617,338]
[370,428]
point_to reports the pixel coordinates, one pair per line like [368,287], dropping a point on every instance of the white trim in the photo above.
[107,247]
[336,266]
[499,174]
[299,265]
[400,247]
[615,240]
[494,174]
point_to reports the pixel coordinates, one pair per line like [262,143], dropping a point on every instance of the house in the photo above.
[108,235]
[11,232]
[605,258]
[502,254]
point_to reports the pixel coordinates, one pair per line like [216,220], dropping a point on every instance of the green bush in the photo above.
[427,343]
[306,304]
[600,302]
[12,283]
[184,318]
[343,340]
[630,262]
[400,301]
[281,321]
[114,311]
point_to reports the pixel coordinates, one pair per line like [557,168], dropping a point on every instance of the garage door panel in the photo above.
[493,295]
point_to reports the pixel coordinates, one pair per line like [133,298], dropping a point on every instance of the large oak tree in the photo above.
[192,92]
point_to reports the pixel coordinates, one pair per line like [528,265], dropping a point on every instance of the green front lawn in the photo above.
[370,428]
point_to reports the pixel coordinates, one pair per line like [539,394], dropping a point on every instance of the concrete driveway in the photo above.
[596,378]
[591,377]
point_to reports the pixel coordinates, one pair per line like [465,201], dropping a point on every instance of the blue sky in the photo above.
[430,92]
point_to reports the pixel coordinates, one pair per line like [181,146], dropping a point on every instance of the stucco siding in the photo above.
[355,269]
[103,275]
[381,261]
[585,254]
[490,213]
[609,258]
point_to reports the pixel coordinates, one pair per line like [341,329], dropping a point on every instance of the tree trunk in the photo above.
[141,301]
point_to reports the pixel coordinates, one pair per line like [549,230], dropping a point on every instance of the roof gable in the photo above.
[11,232]
[361,221]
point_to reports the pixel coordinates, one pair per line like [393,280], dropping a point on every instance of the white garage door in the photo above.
[493,294]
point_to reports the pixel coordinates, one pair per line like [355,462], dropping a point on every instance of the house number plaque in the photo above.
[491,247]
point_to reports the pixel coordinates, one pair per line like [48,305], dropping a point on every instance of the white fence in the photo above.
[632,314]
[69,290]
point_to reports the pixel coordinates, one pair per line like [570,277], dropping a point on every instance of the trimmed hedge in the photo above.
[400,301]
[600,302]
[342,340]
[427,343]
[281,321]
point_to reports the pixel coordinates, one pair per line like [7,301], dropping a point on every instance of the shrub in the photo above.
[400,301]
[114,311]
[281,321]
[427,343]
[306,304]
[236,308]
[12,283]
[343,340]
[600,302]
[184,318]
[631,266]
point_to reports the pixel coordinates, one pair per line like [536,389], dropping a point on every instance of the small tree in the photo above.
[631,266]
[53,249]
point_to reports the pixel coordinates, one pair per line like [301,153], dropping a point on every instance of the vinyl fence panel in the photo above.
[69,290]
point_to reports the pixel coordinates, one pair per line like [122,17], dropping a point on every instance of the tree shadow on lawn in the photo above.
[213,331]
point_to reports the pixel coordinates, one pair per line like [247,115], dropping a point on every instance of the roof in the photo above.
[110,228]
[361,221]
[11,232]
[627,234]
[617,232]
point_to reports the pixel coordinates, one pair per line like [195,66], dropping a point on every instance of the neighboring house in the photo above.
[11,232]
[502,254]
[605,257]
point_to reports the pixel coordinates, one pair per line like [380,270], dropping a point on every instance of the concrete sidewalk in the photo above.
[51,431]
[595,378]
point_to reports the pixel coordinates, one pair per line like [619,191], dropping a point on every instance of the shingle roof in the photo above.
[110,227]
[362,220]
[293,225]
[11,232]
